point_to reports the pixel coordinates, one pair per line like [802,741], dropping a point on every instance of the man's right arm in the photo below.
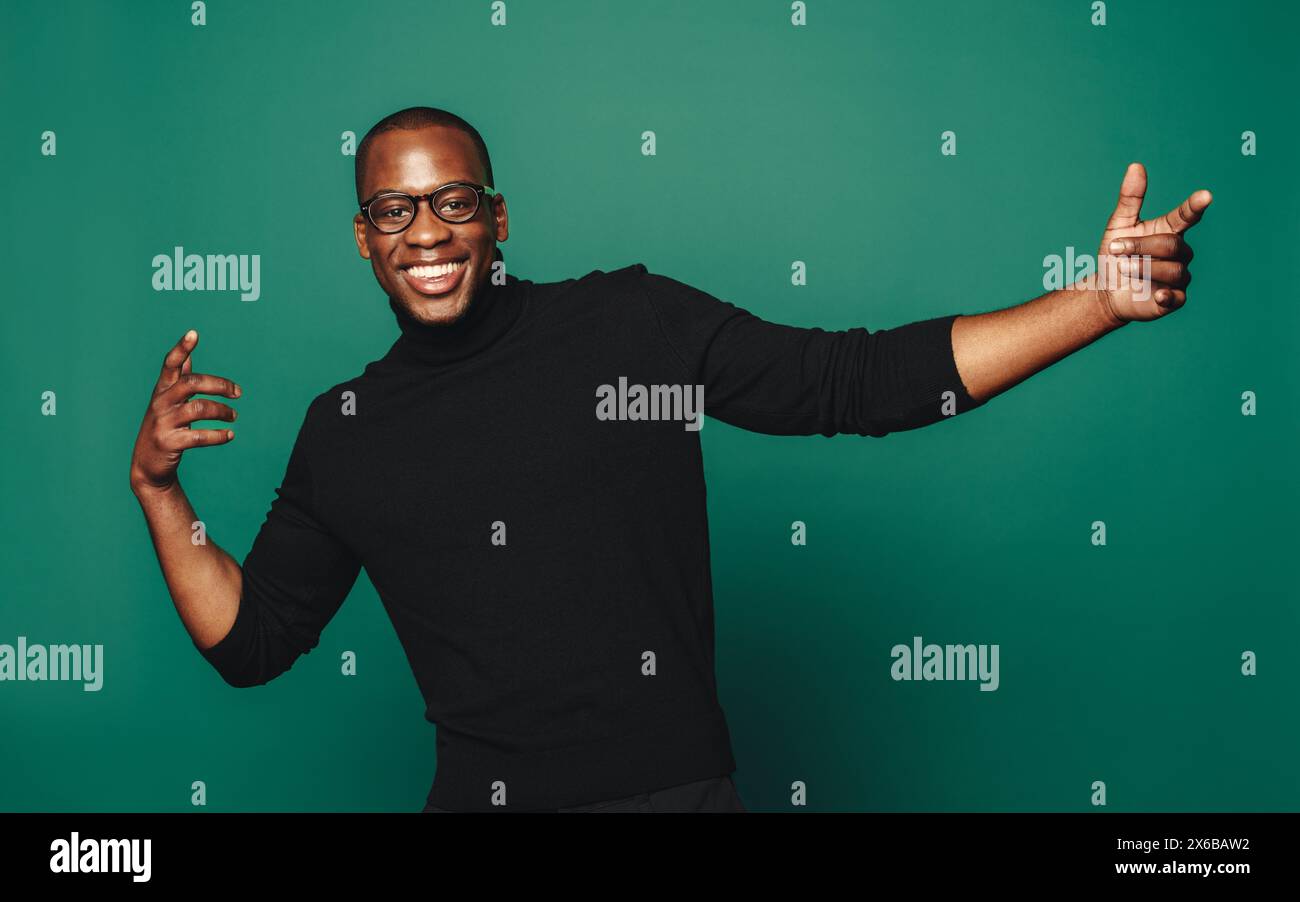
[251,622]
[204,581]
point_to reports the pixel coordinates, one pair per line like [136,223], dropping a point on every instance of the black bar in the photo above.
[210,850]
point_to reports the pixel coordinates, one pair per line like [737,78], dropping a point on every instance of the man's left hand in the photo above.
[1128,287]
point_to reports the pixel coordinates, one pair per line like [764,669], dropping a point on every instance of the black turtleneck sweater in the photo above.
[545,563]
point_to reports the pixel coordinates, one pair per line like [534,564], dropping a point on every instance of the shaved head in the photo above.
[417,117]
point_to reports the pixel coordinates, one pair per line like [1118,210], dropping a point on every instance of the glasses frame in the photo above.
[480,191]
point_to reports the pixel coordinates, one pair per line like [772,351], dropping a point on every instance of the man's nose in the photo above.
[427,228]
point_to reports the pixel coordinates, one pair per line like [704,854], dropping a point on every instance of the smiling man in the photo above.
[429,280]
[546,565]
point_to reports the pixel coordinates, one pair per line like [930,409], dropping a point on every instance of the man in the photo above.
[521,477]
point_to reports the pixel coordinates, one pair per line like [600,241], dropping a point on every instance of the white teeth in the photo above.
[434,272]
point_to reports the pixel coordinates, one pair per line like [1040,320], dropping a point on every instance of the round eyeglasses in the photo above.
[392,211]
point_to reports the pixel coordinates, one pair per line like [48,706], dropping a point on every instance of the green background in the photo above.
[775,143]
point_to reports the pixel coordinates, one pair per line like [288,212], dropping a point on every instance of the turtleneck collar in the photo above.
[490,316]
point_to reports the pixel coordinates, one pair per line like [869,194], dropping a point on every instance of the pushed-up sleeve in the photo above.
[295,578]
[785,380]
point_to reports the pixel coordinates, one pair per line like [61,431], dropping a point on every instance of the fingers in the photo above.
[1188,213]
[1149,275]
[176,361]
[174,411]
[198,383]
[184,439]
[1170,274]
[1166,246]
[1165,272]
[1169,298]
[1131,192]
[198,409]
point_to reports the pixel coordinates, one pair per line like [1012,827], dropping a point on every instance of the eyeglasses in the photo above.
[392,211]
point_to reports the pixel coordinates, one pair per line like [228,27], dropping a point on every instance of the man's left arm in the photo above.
[783,380]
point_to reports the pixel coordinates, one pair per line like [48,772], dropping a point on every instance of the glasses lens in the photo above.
[456,203]
[392,214]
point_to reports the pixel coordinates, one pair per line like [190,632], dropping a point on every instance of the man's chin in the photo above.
[435,311]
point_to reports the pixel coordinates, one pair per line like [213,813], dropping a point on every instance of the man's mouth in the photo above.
[434,279]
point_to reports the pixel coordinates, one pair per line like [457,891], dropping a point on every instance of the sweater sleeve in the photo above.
[295,578]
[785,380]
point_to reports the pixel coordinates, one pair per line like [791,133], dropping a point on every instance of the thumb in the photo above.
[188,364]
[1131,193]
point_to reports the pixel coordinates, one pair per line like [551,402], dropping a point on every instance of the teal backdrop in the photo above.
[775,143]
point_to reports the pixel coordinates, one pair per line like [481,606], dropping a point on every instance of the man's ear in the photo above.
[359,234]
[501,217]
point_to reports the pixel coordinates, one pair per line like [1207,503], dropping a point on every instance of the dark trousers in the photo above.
[717,794]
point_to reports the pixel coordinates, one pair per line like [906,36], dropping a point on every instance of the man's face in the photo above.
[416,162]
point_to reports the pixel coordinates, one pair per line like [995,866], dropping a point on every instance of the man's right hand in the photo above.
[165,433]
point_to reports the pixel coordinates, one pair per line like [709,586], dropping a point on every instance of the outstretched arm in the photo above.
[994,351]
[783,380]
